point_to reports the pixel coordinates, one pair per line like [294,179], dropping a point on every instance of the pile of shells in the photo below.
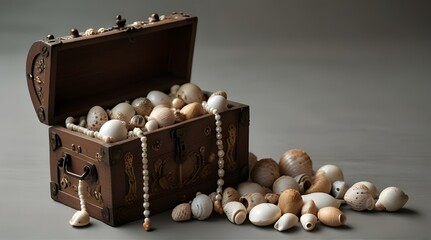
[289,193]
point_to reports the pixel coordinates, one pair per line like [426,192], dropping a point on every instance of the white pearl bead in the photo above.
[218,129]
[146,189]
[144,145]
[219,136]
[147,213]
[217,117]
[218,197]
[220,182]
[145,172]
[146,204]
[218,123]
[146,196]
[220,153]
[221,173]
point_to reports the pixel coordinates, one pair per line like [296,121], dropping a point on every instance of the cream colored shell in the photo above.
[265,172]
[359,198]
[122,111]
[391,199]
[230,194]
[163,115]
[322,200]
[332,172]
[235,212]
[189,93]
[159,98]
[308,221]
[96,117]
[286,221]
[284,182]
[246,187]
[264,214]
[114,130]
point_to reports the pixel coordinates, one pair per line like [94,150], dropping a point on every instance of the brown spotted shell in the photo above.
[359,198]
[265,172]
[182,212]
[290,201]
[230,194]
[295,162]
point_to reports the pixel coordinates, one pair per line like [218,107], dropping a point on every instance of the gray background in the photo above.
[347,81]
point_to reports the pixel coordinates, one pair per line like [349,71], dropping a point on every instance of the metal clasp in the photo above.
[88,171]
[180,145]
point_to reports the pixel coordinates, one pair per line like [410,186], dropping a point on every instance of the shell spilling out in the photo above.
[286,221]
[235,212]
[371,187]
[122,111]
[320,183]
[331,216]
[304,182]
[359,198]
[391,199]
[96,117]
[339,188]
[265,172]
[190,93]
[142,106]
[202,207]
[192,110]
[182,212]
[284,182]
[290,201]
[295,162]
[230,194]
[332,172]
[163,115]
[250,200]
[308,221]
[309,207]
[246,187]
[159,98]
[322,200]
[264,214]
[272,198]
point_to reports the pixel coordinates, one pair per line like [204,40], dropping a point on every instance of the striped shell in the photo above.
[265,172]
[182,212]
[295,162]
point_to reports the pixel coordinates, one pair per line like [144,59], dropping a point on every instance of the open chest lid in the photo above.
[66,76]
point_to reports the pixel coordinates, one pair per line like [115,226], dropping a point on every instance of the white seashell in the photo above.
[246,187]
[80,219]
[371,187]
[159,98]
[249,200]
[177,103]
[142,106]
[122,111]
[235,212]
[264,214]
[265,172]
[286,221]
[339,188]
[308,221]
[163,115]
[96,117]
[114,130]
[331,216]
[217,102]
[202,207]
[322,200]
[295,162]
[190,93]
[332,172]
[182,212]
[284,182]
[391,199]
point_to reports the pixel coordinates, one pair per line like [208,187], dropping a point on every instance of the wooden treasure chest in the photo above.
[68,75]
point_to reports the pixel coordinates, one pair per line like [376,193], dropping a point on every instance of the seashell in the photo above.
[332,172]
[304,182]
[309,207]
[217,102]
[391,199]
[272,198]
[96,117]
[113,130]
[190,93]
[202,207]
[230,194]
[320,183]
[163,115]
[286,221]
[246,187]
[151,125]
[122,111]
[182,212]
[137,121]
[295,162]
[371,187]
[252,160]
[331,216]
[339,188]
[290,201]
[359,198]
[80,219]
[179,117]
[308,221]
[177,103]
[221,93]
[193,110]
[322,200]
[235,212]
[264,214]
[142,106]
[174,89]
[284,182]
[159,98]
[252,199]
[265,172]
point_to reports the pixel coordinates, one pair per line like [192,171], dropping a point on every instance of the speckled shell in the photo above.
[264,214]
[96,117]
[235,212]
[114,129]
[159,98]
[320,183]
[182,212]
[304,182]
[272,198]
[308,221]
[295,162]
[339,189]
[122,111]
[246,187]
[190,93]
[142,106]
[322,200]
[163,115]
[217,102]
[286,221]
[359,198]
[193,110]
[332,172]
[249,200]
[284,182]
[391,199]
[331,216]
[137,121]
[202,207]
[371,187]
[309,207]
[265,172]
[290,201]
[230,194]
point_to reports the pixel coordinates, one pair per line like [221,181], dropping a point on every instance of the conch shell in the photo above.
[304,182]
[265,172]
[331,216]
[295,162]
[290,201]
[391,199]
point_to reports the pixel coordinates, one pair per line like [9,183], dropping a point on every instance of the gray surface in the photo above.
[348,82]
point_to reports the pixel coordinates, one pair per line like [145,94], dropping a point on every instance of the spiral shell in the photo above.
[295,162]
[308,221]
[264,214]
[163,115]
[249,200]
[235,212]
[142,106]
[265,172]
[320,183]
[182,212]
[391,199]
[230,194]
[359,198]
[332,172]
[304,182]
[331,216]
[290,201]
[192,110]
[309,207]
[284,182]
[202,207]
[272,198]
[286,221]
[190,93]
